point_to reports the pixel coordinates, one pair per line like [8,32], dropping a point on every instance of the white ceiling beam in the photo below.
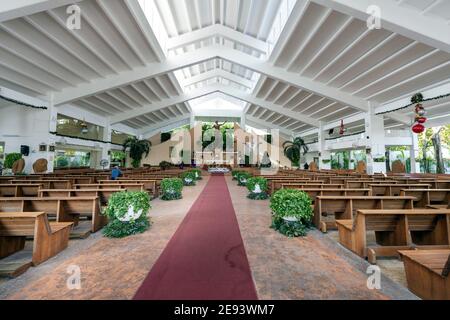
[217,30]
[261,124]
[162,104]
[402,20]
[217,73]
[18,8]
[151,130]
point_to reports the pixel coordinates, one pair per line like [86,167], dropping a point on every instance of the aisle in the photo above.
[206,258]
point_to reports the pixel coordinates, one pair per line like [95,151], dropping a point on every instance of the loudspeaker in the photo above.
[25,150]
[331,132]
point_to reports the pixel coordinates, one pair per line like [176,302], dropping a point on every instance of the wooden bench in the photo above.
[395,230]
[65,209]
[312,185]
[49,238]
[19,190]
[102,194]
[316,192]
[394,189]
[150,186]
[47,184]
[364,184]
[427,273]
[327,209]
[128,186]
[429,197]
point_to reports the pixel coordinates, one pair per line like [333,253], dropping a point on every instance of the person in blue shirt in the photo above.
[115,173]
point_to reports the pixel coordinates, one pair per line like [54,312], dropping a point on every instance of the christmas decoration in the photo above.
[420,112]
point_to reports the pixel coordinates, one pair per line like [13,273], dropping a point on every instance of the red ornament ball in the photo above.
[418,128]
[421,119]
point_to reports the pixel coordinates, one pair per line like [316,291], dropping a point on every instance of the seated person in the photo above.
[115,173]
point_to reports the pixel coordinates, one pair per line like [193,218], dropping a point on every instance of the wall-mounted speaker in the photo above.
[330,132]
[25,150]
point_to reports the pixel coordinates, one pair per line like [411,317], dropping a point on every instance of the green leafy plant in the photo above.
[188,178]
[165,165]
[165,136]
[127,214]
[293,149]
[171,189]
[197,173]
[235,173]
[292,213]
[138,148]
[11,158]
[257,188]
[379,159]
[242,178]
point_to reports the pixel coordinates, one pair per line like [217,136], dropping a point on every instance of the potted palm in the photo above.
[137,149]
[293,149]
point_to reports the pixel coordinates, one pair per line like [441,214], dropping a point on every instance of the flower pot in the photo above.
[257,189]
[290,219]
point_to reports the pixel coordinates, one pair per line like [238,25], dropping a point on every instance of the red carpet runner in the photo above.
[205,259]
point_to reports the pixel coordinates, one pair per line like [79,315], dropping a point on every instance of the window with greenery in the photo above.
[72,159]
[72,127]
[118,158]
[118,137]
[2,151]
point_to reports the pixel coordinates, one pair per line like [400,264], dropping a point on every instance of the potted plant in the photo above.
[379,159]
[197,173]
[292,212]
[242,178]
[293,150]
[171,189]
[257,188]
[165,165]
[188,178]
[137,149]
[127,214]
[9,161]
[234,173]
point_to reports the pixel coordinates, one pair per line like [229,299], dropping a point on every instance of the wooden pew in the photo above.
[47,184]
[19,190]
[150,186]
[395,230]
[65,209]
[427,273]
[102,194]
[316,192]
[327,209]
[128,186]
[429,197]
[362,183]
[394,189]
[311,185]
[49,238]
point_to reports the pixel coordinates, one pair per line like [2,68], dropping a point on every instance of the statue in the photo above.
[217,126]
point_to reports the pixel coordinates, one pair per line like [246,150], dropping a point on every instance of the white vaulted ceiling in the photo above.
[294,63]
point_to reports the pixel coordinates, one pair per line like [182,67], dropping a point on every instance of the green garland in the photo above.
[20,103]
[81,138]
[417,98]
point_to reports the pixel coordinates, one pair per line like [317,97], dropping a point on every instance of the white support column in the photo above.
[106,146]
[52,122]
[243,122]
[375,141]
[323,154]
[192,122]
[414,153]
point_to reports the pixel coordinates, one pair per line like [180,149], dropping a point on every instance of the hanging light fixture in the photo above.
[84,127]
[342,129]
